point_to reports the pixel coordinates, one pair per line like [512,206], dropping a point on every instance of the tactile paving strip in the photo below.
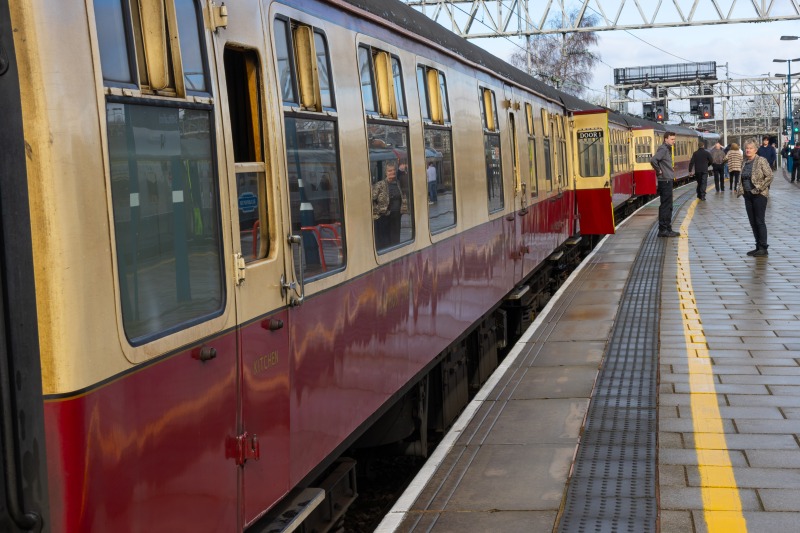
[613,483]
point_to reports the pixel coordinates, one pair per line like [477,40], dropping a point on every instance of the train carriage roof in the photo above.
[409,19]
[417,23]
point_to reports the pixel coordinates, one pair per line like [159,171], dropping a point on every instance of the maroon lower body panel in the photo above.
[644,182]
[596,211]
[155,449]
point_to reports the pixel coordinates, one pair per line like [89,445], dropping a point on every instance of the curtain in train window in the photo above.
[166,217]
[315,190]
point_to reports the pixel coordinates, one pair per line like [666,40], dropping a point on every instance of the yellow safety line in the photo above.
[722,505]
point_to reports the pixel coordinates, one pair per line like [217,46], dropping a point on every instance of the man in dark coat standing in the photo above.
[698,166]
[665,175]
[768,152]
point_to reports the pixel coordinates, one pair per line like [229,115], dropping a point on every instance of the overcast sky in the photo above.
[748,49]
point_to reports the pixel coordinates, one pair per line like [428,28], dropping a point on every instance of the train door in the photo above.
[261,446]
[520,201]
[592,160]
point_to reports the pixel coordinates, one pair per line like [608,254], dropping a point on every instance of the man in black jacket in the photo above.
[698,166]
[795,154]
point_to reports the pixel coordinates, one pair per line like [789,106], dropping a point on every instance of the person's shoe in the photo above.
[752,252]
[668,234]
[762,252]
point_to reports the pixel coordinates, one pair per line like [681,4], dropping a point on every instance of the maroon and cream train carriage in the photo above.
[221,259]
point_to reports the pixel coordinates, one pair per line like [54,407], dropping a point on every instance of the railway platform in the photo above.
[659,390]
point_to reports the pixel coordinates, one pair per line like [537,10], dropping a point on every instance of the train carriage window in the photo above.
[194,74]
[391,183]
[548,164]
[244,104]
[591,153]
[166,216]
[532,155]
[168,54]
[491,150]
[366,76]
[439,172]
[286,79]
[399,93]
[422,88]
[316,207]
[443,98]
[323,70]
[315,189]
[113,36]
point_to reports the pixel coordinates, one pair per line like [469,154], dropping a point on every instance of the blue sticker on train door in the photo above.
[248,202]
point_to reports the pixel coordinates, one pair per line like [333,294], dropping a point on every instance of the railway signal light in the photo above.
[705,111]
[661,115]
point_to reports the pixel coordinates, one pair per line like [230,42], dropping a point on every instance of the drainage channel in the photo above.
[613,484]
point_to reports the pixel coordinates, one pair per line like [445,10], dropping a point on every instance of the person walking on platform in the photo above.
[733,159]
[698,166]
[718,156]
[795,153]
[756,178]
[665,174]
[767,151]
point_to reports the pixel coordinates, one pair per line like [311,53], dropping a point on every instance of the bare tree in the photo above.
[563,61]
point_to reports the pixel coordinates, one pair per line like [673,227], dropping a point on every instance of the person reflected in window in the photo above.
[388,205]
[431,173]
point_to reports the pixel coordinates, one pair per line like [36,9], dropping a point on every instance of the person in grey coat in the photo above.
[665,175]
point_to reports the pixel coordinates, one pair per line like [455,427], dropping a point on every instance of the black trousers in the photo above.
[734,178]
[756,206]
[719,177]
[665,209]
[796,170]
[702,184]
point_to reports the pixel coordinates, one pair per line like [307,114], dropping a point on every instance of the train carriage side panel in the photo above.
[116,409]
[593,185]
[644,176]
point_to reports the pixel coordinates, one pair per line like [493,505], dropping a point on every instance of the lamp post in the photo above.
[789,98]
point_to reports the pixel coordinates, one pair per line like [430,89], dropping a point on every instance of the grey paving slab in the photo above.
[780,499]
[514,478]
[570,352]
[555,421]
[507,522]
[556,382]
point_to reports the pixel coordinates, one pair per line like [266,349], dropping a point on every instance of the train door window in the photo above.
[113,36]
[244,104]
[389,166]
[366,76]
[168,53]
[312,150]
[439,173]
[163,178]
[285,62]
[491,150]
[532,156]
[591,153]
